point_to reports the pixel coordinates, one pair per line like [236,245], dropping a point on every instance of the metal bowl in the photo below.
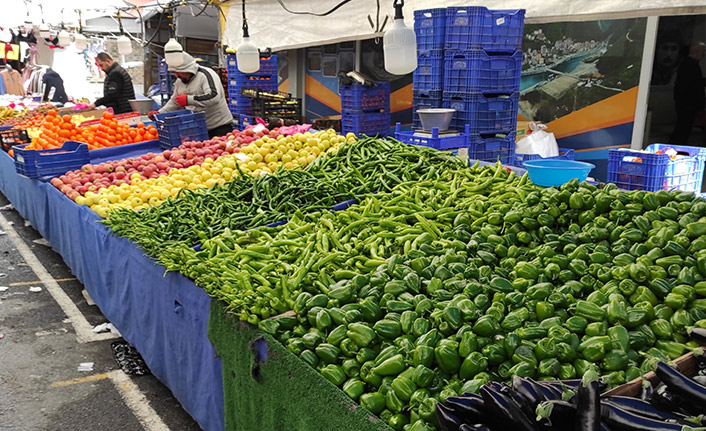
[436,117]
[143,106]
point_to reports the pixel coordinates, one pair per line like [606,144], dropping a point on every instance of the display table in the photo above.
[164,316]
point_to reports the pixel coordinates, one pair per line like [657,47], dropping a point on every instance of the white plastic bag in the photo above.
[538,142]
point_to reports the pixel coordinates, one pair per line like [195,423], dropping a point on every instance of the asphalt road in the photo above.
[41,387]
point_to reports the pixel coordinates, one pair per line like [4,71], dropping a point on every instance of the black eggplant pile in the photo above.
[678,403]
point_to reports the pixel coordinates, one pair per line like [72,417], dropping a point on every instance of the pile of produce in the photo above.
[27,118]
[359,167]
[55,130]
[476,276]
[136,184]
[76,119]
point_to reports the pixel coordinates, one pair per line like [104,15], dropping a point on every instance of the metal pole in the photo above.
[643,92]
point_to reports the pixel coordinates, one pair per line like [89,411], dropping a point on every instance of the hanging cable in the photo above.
[334,9]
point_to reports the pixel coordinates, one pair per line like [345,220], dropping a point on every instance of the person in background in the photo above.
[199,88]
[689,95]
[53,88]
[117,87]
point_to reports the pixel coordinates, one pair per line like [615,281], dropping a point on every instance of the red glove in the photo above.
[181,99]
[151,115]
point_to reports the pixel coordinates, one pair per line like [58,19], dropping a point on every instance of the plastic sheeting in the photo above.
[353,20]
[164,316]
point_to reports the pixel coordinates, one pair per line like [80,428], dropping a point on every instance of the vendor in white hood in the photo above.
[199,88]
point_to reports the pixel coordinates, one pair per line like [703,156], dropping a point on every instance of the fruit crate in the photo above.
[11,137]
[368,124]
[479,71]
[564,154]
[290,109]
[424,99]
[430,28]
[477,27]
[177,127]
[429,74]
[484,112]
[491,147]
[255,93]
[654,170]
[358,98]
[268,65]
[433,139]
[49,163]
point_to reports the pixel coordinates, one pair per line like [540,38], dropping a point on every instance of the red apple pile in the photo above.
[153,165]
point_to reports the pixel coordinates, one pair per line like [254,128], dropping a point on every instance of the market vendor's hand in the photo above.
[151,115]
[92,106]
[181,100]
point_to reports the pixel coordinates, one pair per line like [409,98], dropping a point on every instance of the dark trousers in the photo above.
[685,122]
[220,130]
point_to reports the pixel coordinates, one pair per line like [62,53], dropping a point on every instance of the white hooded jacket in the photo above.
[204,93]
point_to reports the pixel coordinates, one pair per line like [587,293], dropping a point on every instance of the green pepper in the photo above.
[361,334]
[544,310]
[349,348]
[511,342]
[468,344]
[375,402]
[407,321]
[368,376]
[427,410]
[643,294]
[660,287]
[549,367]
[311,340]
[576,324]
[522,369]
[403,388]
[420,327]
[589,311]
[334,374]
[351,367]
[452,315]
[636,317]
[530,333]
[486,326]
[616,312]
[370,311]
[337,335]
[619,337]
[386,353]
[388,329]
[423,376]
[354,388]
[545,348]
[524,353]
[494,352]
[681,319]
[675,301]
[447,358]
[559,334]
[327,353]
[515,319]
[310,358]
[390,366]
[565,353]
[671,348]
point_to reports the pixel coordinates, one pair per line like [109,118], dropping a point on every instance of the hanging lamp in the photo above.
[399,45]
[247,55]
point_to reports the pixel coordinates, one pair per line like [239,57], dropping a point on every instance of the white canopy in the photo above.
[14,12]
[271,26]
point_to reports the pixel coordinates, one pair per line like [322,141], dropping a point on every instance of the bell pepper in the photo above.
[641,294]
[486,326]
[368,376]
[616,312]
[619,337]
[334,374]
[361,334]
[681,319]
[387,329]
[589,311]
[423,376]
[430,338]
[598,298]
[544,310]
[545,348]
[482,301]
[354,388]
[337,335]
[510,343]
[403,388]
[452,316]
[328,353]
[386,353]
[698,304]
[391,366]
[423,307]
[407,321]
[552,322]
[351,367]
[523,369]
[393,402]
[311,340]
[398,421]
[576,324]
[515,319]
[374,401]
[549,367]
[636,317]
[531,333]
[565,353]
[447,358]
[420,326]
[670,348]
[370,311]
[348,347]
[524,353]
[559,334]
[405,344]
[675,301]
[661,328]
[596,328]
[494,352]
[468,344]
[309,357]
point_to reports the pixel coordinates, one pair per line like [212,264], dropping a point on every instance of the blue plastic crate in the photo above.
[476,27]
[491,147]
[564,154]
[429,74]
[268,65]
[357,98]
[368,124]
[49,163]
[177,127]
[479,71]
[430,28]
[650,171]
[162,66]
[433,140]
[484,112]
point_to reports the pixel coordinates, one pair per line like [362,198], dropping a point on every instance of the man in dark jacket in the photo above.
[53,87]
[117,87]
[689,95]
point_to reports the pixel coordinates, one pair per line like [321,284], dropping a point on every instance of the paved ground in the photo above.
[40,385]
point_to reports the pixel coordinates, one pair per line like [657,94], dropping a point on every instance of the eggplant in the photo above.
[642,408]
[550,392]
[588,417]
[622,420]
[697,334]
[470,409]
[562,414]
[572,384]
[448,421]
[700,380]
[665,400]
[646,391]
[503,411]
[520,400]
[528,390]
[476,427]
[682,386]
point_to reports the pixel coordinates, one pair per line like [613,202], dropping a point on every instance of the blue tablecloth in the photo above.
[164,316]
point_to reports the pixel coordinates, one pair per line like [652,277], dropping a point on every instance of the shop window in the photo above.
[329,65]
[313,60]
[346,61]
[330,49]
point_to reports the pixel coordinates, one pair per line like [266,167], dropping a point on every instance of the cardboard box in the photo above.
[97,113]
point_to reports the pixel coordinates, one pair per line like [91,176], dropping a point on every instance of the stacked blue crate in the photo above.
[428,78]
[166,82]
[365,110]
[265,79]
[482,67]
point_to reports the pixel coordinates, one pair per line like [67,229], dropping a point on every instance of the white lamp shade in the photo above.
[80,41]
[173,53]
[44,31]
[124,45]
[64,38]
[248,57]
[27,26]
[399,45]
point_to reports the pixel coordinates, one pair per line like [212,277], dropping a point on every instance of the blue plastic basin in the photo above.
[549,173]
